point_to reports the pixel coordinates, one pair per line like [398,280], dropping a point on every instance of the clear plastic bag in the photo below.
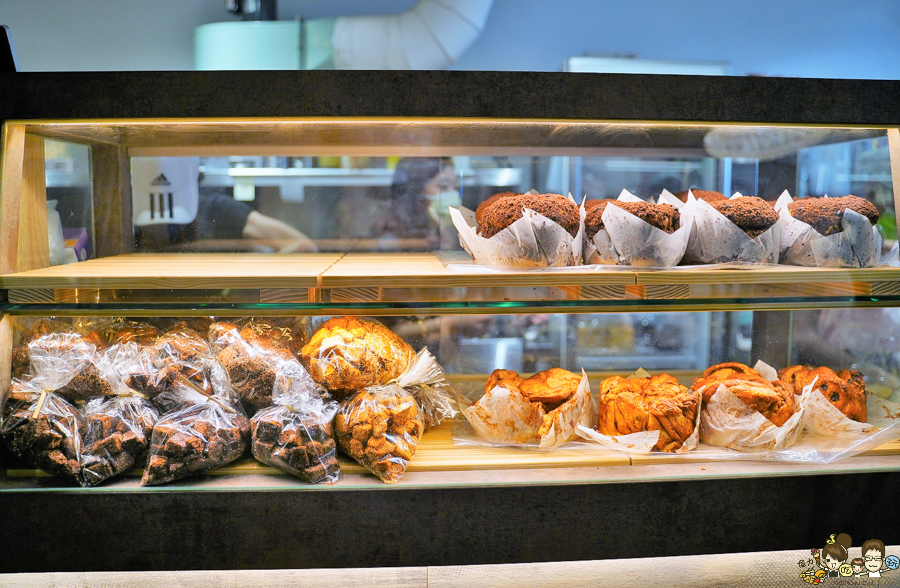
[295,434]
[253,357]
[128,331]
[380,427]
[179,354]
[74,365]
[31,330]
[116,438]
[203,433]
[349,353]
[43,429]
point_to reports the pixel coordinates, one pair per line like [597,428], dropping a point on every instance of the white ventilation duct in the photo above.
[431,35]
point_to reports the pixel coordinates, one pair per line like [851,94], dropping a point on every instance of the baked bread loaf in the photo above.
[825,214]
[483,205]
[661,216]
[505,211]
[774,400]
[845,389]
[589,204]
[752,215]
[707,195]
[550,388]
[348,353]
[658,403]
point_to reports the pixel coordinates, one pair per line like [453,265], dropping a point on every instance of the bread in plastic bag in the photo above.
[180,353]
[43,429]
[253,357]
[128,331]
[202,433]
[380,427]
[116,438]
[31,330]
[73,363]
[349,353]
[295,433]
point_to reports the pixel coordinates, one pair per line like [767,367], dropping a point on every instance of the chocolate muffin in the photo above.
[708,195]
[661,216]
[825,214]
[479,212]
[589,204]
[751,214]
[506,211]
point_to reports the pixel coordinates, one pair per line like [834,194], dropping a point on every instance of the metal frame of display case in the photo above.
[248,519]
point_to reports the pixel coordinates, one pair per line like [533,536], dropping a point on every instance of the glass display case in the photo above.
[323,154]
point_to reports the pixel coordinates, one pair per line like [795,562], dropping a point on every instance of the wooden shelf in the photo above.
[343,280]
[178,271]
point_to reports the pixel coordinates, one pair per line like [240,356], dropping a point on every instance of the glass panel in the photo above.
[68,178]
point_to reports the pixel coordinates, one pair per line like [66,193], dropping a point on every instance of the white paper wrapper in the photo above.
[628,240]
[858,245]
[715,239]
[506,417]
[638,443]
[532,241]
[666,197]
[727,422]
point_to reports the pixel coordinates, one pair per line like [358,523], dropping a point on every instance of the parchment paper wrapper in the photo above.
[626,239]
[858,245]
[638,443]
[532,241]
[715,239]
[506,417]
[728,422]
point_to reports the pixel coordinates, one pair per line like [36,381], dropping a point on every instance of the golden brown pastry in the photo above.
[349,353]
[504,378]
[658,403]
[774,400]
[551,389]
[845,389]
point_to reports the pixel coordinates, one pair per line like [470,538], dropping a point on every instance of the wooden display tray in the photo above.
[342,278]
[436,452]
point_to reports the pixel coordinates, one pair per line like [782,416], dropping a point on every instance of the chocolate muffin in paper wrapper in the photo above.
[857,243]
[626,239]
[534,240]
[716,239]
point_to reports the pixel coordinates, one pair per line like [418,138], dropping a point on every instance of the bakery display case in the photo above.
[322,151]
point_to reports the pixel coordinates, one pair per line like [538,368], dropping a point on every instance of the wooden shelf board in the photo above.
[425,270]
[775,274]
[181,271]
